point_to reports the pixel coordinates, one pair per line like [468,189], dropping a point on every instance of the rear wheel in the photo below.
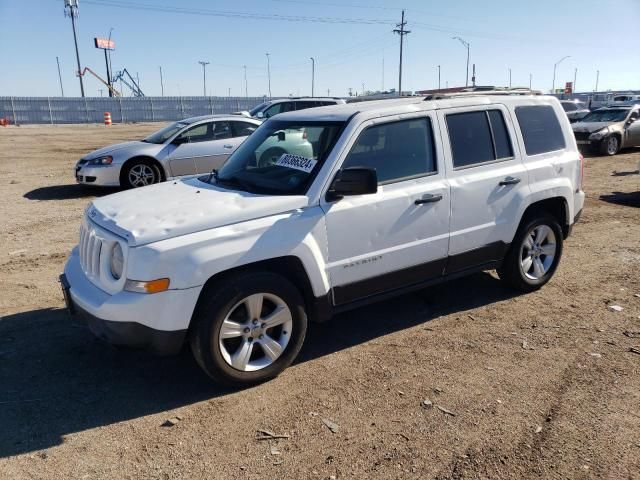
[249,329]
[610,146]
[534,254]
[140,173]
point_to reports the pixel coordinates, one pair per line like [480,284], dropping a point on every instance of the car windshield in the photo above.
[166,133]
[280,157]
[254,111]
[607,115]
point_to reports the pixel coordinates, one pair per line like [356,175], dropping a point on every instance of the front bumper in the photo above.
[103,176]
[157,322]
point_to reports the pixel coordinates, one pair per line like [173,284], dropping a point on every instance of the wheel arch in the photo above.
[155,162]
[289,267]
[558,207]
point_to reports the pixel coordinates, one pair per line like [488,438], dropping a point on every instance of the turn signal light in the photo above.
[152,286]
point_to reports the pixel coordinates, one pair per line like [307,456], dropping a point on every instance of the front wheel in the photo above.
[249,329]
[534,254]
[610,146]
[140,174]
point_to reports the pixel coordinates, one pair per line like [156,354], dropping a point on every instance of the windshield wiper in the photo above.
[234,180]
[212,174]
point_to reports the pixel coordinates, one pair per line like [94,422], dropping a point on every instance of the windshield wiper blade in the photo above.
[235,180]
[213,174]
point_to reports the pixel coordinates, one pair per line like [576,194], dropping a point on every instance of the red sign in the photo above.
[104,43]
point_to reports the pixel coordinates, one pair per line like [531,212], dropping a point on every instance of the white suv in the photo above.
[394,195]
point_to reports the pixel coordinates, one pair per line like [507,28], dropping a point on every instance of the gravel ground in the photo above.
[521,386]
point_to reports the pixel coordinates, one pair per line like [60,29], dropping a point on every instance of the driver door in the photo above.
[182,160]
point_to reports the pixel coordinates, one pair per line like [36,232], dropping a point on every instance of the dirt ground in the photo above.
[523,386]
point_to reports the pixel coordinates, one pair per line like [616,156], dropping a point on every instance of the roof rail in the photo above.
[481,92]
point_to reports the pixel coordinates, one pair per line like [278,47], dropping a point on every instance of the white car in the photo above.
[282,105]
[395,196]
[188,147]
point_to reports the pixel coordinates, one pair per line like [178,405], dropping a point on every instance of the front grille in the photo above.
[90,248]
[582,135]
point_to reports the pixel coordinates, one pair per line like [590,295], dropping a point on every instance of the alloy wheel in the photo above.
[612,145]
[141,175]
[255,332]
[537,252]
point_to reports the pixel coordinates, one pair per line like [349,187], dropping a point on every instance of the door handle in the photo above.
[228,146]
[509,181]
[429,198]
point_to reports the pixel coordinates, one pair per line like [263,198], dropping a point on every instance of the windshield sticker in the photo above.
[296,162]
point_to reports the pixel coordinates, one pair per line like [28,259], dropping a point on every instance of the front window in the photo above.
[279,108]
[607,115]
[254,111]
[166,133]
[280,157]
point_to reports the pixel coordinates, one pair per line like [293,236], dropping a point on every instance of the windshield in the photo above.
[280,158]
[254,111]
[607,115]
[166,133]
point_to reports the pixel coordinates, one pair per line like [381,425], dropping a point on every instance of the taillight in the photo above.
[581,171]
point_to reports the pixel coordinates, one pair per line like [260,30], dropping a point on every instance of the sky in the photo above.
[352,42]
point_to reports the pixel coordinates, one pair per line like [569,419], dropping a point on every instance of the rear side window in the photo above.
[397,150]
[540,129]
[478,137]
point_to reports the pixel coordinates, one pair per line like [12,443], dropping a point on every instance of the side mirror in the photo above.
[281,136]
[632,120]
[353,181]
[260,114]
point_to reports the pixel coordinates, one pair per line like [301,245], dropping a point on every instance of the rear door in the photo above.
[488,181]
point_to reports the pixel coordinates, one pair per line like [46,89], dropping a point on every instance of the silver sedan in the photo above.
[187,147]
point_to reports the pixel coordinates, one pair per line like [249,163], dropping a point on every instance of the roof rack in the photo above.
[482,92]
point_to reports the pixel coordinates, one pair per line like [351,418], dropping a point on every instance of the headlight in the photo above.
[117,261]
[599,134]
[106,160]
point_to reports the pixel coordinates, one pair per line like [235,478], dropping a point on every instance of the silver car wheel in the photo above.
[612,145]
[141,175]
[537,252]
[255,332]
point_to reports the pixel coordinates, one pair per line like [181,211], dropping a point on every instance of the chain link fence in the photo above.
[57,110]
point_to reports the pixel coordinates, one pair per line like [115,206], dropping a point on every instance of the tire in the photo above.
[140,173]
[610,145]
[234,349]
[528,269]
[270,156]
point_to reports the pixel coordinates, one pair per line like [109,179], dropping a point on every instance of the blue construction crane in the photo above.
[131,83]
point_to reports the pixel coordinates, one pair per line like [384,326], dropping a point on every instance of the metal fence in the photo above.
[56,110]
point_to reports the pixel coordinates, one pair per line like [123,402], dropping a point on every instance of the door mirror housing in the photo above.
[353,181]
[260,114]
[632,120]
[281,136]
[179,140]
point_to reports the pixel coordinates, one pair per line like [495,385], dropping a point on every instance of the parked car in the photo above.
[574,109]
[273,107]
[187,147]
[609,129]
[394,196]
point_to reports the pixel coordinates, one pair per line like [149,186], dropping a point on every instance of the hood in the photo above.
[113,148]
[171,209]
[590,127]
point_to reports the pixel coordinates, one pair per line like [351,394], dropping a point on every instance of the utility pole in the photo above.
[363,88]
[161,81]
[60,76]
[473,75]
[382,74]
[575,76]
[246,88]
[109,67]
[467,46]
[530,78]
[313,74]
[597,79]
[328,92]
[438,77]
[555,65]
[204,76]
[509,77]
[72,6]
[400,30]
[269,74]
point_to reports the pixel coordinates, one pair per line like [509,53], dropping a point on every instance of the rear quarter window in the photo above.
[540,129]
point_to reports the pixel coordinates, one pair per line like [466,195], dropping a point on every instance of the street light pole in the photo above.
[509,77]
[467,46]
[161,81]
[60,76]
[246,88]
[575,77]
[438,77]
[597,79]
[269,74]
[313,74]
[204,75]
[555,65]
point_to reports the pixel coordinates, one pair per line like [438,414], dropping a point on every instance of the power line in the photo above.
[230,14]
